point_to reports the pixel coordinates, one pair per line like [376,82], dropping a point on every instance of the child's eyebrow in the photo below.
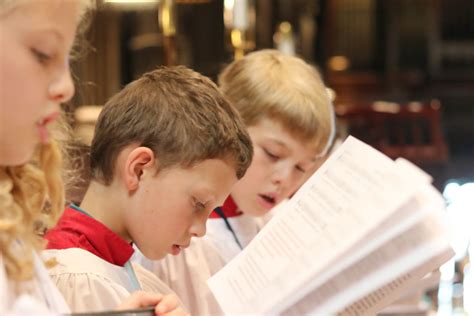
[50,31]
[206,196]
[278,142]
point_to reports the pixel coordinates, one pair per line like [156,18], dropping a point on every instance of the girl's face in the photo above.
[35,39]
[279,166]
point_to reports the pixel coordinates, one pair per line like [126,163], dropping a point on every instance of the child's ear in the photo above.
[138,159]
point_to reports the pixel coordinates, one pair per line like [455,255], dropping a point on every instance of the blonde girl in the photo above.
[36,37]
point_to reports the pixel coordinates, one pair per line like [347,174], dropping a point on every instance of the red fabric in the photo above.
[77,230]
[229,209]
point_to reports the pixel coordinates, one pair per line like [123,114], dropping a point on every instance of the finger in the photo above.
[140,299]
[168,303]
[145,299]
[176,312]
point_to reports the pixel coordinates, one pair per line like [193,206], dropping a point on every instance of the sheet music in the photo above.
[381,297]
[354,191]
[395,257]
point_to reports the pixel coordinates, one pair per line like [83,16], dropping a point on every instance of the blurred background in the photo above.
[401,73]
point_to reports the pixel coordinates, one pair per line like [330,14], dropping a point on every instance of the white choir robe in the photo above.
[89,283]
[38,296]
[188,272]
[245,228]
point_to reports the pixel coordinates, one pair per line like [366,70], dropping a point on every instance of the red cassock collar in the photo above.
[229,209]
[78,230]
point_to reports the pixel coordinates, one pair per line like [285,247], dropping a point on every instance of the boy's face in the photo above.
[172,206]
[280,164]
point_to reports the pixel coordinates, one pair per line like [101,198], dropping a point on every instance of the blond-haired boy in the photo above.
[166,151]
[290,119]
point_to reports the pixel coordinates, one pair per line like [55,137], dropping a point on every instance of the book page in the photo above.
[411,297]
[428,203]
[353,192]
[382,271]
[382,297]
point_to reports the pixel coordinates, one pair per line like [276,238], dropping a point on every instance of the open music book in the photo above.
[359,233]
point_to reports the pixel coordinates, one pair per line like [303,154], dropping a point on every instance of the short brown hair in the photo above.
[270,84]
[176,112]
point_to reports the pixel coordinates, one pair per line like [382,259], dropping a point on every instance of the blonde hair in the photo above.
[179,114]
[7,5]
[31,195]
[24,191]
[270,84]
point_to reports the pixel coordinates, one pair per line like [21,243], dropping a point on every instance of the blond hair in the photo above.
[7,6]
[270,84]
[31,195]
[84,16]
[179,114]
[24,190]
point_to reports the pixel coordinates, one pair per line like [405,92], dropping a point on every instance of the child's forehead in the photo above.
[279,137]
[278,131]
[214,176]
[270,124]
[204,165]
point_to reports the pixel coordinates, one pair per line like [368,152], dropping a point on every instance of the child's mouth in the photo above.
[175,250]
[42,129]
[267,201]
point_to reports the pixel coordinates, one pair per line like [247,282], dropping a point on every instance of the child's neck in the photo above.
[103,203]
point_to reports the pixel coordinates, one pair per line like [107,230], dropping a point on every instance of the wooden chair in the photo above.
[411,130]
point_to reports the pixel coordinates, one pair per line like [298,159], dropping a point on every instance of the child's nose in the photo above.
[62,88]
[281,175]
[199,228]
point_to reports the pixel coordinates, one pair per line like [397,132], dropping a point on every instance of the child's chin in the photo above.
[257,212]
[155,255]
[20,157]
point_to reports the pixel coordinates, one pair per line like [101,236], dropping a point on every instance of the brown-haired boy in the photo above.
[290,118]
[167,150]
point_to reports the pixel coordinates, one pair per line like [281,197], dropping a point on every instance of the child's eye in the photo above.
[199,206]
[271,155]
[40,56]
[300,169]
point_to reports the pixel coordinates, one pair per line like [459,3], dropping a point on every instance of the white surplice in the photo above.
[38,296]
[187,273]
[245,228]
[89,283]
